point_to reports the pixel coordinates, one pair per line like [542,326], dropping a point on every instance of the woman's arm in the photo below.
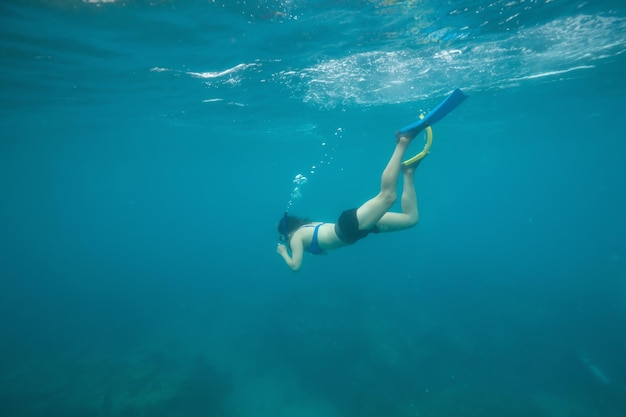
[295,260]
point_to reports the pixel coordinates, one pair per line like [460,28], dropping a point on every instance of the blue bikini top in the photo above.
[314,247]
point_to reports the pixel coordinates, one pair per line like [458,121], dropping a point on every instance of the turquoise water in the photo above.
[148,151]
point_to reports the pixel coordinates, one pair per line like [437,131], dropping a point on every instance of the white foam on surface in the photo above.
[556,48]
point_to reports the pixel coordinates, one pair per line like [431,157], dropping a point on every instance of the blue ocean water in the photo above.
[148,150]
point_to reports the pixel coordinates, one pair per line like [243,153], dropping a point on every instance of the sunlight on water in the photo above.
[384,77]
[428,55]
[562,47]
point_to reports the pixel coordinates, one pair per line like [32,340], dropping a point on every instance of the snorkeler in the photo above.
[298,235]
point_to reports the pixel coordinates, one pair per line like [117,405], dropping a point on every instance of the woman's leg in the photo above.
[392,222]
[373,210]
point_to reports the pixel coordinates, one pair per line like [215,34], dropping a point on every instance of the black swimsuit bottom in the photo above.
[347,227]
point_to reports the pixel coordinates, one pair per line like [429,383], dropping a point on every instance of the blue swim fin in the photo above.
[450,103]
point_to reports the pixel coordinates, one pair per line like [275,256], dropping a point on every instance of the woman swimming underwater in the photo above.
[298,235]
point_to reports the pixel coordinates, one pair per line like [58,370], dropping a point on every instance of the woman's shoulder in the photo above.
[308,229]
[311,224]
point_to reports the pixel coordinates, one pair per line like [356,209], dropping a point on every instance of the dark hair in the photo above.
[290,224]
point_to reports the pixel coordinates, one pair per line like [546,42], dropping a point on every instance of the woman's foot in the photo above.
[410,169]
[404,138]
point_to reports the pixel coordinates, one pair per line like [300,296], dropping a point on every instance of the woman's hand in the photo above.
[281,249]
[293,260]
